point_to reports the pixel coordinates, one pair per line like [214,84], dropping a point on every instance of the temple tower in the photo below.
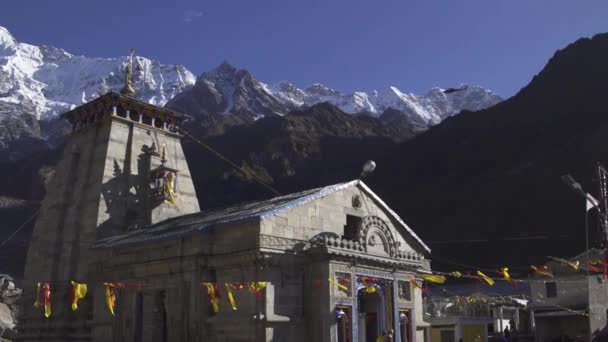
[122,169]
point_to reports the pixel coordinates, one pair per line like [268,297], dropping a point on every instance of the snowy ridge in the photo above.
[54,80]
[48,81]
[240,91]
[431,108]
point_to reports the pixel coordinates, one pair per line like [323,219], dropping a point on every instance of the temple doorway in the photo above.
[369,325]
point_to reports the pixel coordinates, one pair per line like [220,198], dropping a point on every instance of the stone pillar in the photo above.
[153,122]
[500,317]
[128,114]
[140,118]
[114,112]
[532,322]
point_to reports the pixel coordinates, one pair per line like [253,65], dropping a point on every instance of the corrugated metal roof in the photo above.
[252,211]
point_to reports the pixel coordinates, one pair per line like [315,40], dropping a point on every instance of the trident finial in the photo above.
[128,89]
[163,154]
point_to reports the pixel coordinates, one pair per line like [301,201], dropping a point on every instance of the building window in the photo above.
[351,229]
[551,288]
[344,323]
[405,291]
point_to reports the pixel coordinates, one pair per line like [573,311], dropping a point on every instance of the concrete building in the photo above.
[122,209]
[473,318]
[573,304]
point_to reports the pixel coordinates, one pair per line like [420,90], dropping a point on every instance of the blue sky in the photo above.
[347,45]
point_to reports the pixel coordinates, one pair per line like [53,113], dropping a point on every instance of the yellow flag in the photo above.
[505,274]
[435,278]
[230,296]
[542,270]
[79,291]
[212,296]
[169,187]
[487,279]
[573,264]
[110,297]
[337,284]
[37,302]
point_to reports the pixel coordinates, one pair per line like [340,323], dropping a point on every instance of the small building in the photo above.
[472,318]
[572,304]
[327,264]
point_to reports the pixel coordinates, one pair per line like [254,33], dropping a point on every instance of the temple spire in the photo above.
[128,89]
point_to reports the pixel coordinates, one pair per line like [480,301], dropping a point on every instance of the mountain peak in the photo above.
[53,80]
[7,40]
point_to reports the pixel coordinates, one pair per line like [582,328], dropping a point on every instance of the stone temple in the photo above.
[327,264]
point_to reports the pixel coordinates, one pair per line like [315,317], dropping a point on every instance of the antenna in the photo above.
[602,178]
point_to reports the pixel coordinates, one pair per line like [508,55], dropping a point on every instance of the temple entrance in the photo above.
[370,314]
[405,325]
[375,305]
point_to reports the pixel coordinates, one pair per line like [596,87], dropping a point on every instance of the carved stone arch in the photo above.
[376,236]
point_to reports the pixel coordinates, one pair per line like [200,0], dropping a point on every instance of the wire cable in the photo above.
[19,228]
[229,162]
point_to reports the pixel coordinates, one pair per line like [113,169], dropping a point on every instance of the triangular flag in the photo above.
[257,287]
[230,296]
[435,278]
[505,274]
[487,279]
[37,302]
[591,202]
[543,270]
[110,296]
[342,287]
[79,291]
[211,292]
[46,299]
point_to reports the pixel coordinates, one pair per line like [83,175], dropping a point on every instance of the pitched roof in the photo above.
[252,211]
[113,99]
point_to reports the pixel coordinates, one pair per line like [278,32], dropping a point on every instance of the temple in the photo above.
[121,215]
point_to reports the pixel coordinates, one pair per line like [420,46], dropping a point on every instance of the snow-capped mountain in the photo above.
[53,80]
[226,89]
[432,107]
[44,81]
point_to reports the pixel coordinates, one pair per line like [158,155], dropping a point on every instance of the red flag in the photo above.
[46,299]
[593,268]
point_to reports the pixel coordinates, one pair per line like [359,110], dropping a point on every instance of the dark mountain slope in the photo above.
[319,145]
[495,174]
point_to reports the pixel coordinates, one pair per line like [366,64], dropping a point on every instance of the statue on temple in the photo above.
[128,89]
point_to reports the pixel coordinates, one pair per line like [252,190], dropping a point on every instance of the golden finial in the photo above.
[163,154]
[128,89]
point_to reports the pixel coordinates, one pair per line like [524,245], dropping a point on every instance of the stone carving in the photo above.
[356,202]
[376,235]
[371,241]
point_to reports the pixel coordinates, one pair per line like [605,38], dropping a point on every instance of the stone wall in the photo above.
[328,215]
[9,311]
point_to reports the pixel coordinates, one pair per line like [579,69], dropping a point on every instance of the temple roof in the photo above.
[107,101]
[181,226]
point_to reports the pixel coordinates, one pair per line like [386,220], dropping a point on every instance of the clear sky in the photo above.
[347,45]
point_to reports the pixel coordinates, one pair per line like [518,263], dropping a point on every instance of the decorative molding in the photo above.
[373,226]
